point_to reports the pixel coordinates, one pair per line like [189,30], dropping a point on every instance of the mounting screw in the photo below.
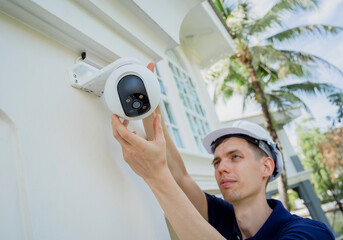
[74,75]
[83,55]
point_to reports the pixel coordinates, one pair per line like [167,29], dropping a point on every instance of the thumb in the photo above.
[158,131]
[151,66]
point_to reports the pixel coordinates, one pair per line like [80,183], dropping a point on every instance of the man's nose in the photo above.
[224,166]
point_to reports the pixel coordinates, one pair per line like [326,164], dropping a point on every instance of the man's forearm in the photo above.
[174,159]
[177,167]
[183,216]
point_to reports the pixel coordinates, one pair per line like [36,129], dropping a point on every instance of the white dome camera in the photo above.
[129,89]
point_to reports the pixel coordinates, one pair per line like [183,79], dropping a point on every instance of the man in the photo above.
[245,159]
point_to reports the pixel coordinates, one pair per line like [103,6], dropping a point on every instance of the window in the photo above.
[195,112]
[168,114]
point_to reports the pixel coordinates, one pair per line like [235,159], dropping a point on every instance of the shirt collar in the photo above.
[275,221]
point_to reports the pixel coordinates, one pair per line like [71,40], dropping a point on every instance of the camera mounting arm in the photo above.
[129,89]
[92,80]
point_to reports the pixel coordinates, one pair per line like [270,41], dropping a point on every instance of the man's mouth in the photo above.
[227,182]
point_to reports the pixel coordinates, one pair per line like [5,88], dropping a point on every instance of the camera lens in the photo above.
[136,104]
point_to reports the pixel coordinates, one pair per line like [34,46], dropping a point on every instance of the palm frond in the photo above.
[230,76]
[277,63]
[224,11]
[246,8]
[309,88]
[248,95]
[238,73]
[337,99]
[224,92]
[295,5]
[304,31]
[268,54]
[273,17]
[283,99]
[266,73]
[274,100]
[289,68]
[310,59]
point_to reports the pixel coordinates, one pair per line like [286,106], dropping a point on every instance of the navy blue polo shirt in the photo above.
[281,224]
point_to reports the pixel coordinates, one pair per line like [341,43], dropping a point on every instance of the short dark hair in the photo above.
[258,152]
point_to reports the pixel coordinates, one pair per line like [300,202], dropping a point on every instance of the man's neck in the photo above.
[251,214]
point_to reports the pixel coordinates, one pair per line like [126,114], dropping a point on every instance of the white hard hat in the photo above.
[252,132]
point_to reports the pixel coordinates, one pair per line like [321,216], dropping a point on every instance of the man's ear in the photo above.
[268,167]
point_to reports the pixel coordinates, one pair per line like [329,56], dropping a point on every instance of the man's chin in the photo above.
[230,196]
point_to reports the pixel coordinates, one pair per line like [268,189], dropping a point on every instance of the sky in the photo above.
[329,48]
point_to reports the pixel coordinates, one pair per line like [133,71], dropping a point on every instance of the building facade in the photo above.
[62,174]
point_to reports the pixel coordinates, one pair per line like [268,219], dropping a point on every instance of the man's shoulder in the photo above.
[305,228]
[284,225]
[221,216]
[212,199]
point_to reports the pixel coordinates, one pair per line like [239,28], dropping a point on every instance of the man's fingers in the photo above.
[117,136]
[151,66]
[124,133]
[158,131]
[126,122]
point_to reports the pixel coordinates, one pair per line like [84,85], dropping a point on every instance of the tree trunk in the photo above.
[340,205]
[330,187]
[260,98]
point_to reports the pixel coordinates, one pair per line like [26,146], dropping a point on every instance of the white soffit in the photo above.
[107,30]
[163,16]
[203,36]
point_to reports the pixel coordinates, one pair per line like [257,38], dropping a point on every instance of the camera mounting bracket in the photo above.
[92,80]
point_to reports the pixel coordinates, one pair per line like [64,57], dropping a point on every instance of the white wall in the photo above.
[63,175]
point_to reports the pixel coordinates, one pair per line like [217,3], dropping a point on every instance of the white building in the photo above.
[62,175]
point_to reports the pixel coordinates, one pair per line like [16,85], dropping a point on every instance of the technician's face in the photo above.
[237,171]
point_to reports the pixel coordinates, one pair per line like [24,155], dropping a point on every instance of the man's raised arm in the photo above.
[148,159]
[175,163]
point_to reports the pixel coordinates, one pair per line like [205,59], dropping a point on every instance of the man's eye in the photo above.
[236,156]
[215,163]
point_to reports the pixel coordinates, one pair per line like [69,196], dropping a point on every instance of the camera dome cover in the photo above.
[132,91]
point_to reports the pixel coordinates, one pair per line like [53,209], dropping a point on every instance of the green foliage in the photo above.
[337,100]
[325,186]
[292,196]
[224,11]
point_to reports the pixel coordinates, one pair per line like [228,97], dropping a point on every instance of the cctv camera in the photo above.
[129,89]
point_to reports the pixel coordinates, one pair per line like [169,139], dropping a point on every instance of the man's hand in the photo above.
[146,158]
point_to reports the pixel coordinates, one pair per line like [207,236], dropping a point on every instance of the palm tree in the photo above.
[270,76]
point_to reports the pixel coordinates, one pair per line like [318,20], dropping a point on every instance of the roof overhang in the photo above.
[203,36]
[106,30]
